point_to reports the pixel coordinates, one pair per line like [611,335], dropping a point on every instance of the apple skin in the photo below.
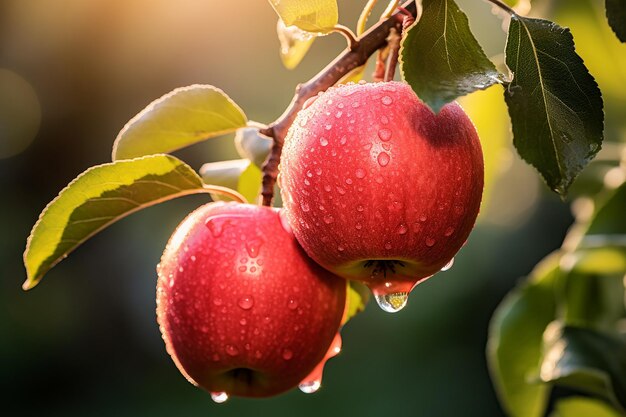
[242,308]
[369,173]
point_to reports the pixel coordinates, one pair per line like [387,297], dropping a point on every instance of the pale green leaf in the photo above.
[309,15]
[238,174]
[252,145]
[294,44]
[357,297]
[180,118]
[584,407]
[99,197]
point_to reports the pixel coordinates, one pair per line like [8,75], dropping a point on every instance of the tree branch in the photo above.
[370,42]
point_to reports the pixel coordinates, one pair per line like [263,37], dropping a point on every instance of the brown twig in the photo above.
[393,40]
[370,42]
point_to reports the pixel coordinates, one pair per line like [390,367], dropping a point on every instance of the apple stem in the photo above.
[374,39]
[392,59]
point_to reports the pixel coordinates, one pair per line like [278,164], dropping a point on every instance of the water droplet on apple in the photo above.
[219,397]
[448,231]
[309,174]
[309,387]
[243,268]
[232,350]
[253,247]
[430,242]
[243,322]
[193,258]
[348,181]
[305,207]
[292,304]
[327,188]
[392,303]
[355,104]
[341,190]
[384,134]
[340,248]
[360,173]
[386,100]
[328,127]
[402,229]
[217,301]
[282,215]
[307,182]
[328,219]
[379,180]
[388,245]
[448,265]
[287,354]
[323,141]
[318,171]
[360,208]
[340,105]
[383,159]
[338,114]
[246,302]
[358,226]
[343,140]
[422,218]
[384,120]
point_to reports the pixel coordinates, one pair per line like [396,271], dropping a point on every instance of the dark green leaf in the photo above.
[583,407]
[514,348]
[98,197]
[616,13]
[180,118]
[441,59]
[587,360]
[554,103]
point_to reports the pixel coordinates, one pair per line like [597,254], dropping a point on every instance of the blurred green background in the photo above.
[86,342]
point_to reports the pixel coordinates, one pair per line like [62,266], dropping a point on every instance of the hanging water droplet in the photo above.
[309,387]
[448,265]
[287,354]
[360,173]
[246,302]
[383,159]
[323,141]
[386,100]
[253,247]
[232,350]
[392,303]
[219,397]
[384,135]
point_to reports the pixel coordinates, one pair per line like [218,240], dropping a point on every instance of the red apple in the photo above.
[243,310]
[378,188]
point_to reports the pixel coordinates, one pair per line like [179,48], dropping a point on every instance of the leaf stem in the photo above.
[230,193]
[503,6]
[374,39]
[353,42]
[365,14]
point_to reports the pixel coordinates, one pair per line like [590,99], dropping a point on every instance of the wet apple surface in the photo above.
[378,188]
[242,309]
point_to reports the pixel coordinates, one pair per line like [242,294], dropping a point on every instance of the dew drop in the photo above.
[448,231]
[292,304]
[217,301]
[309,387]
[430,242]
[287,354]
[360,208]
[355,104]
[383,159]
[243,268]
[285,223]
[309,174]
[386,100]
[243,322]
[327,188]
[340,105]
[246,302]
[348,181]
[323,141]
[232,350]
[253,246]
[318,171]
[448,265]
[219,397]
[305,207]
[328,127]
[384,134]
[328,219]
[358,226]
[402,229]
[341,191]
[384,120]
[422,218]
[392,303]
[340,248]
[338,114]
[360,173]
[343,140]
[388,245]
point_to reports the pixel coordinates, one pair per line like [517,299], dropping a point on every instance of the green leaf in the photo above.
[616,14]
[99,197]
[554,103]
[593,290]
[294,43]
[357,297]
[441,59]
[514,347]
[180,118]
[252,145]
[238,174]
[587,360]
[609,218]
[583,407]
[309,15]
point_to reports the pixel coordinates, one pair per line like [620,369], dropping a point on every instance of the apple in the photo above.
[242,309]
[378,188]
